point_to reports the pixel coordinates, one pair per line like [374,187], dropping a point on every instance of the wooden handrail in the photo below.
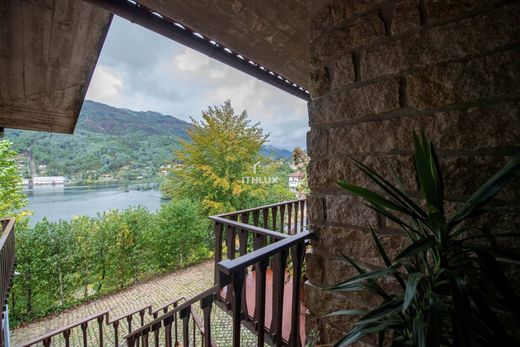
[7,259]
[162,308]
[211,291]
[257,208]
[257,230]
[231,266]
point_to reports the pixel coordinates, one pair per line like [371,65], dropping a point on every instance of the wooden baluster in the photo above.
[243,250]
[289,218]
[193,333]
[304,214]
[116,332]
[265,216]
[256,217]
[274,214]
[100,325]
[156,328]
[47,342]
[84,332]
[168,331]
[296,218]
[297,255]
[231,255]
[206,306]
[176,330]
[141,314]
[130,341]
[237,281]
[66,336]
[129,321]
[145,338]
[279,262]
[261,268]
[282,218]
[218,247]
[243,234]
[185,316]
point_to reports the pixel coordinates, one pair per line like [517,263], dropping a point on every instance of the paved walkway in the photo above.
[157,291]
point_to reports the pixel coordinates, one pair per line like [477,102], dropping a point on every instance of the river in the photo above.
[64,202]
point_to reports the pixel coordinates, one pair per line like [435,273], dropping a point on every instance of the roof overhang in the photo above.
[48,52]
[49,49]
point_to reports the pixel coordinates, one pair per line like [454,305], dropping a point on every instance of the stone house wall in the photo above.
[380,69]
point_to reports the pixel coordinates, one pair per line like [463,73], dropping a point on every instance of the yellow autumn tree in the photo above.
[223,149]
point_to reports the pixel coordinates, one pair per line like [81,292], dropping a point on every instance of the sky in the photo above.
[143,71]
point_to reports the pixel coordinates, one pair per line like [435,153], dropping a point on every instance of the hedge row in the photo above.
[61,264]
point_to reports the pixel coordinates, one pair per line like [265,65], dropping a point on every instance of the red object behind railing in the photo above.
[7,264]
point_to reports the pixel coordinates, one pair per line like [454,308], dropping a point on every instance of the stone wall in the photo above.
[380,69]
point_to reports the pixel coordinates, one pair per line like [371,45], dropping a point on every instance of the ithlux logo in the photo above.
[259,179]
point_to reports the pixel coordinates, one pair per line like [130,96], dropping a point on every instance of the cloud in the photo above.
[105,85]
[141,70]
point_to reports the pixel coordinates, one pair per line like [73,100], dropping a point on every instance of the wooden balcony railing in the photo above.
[257,227]
[233,272]
[159,331]
[68,333]
[76,334]
[7,265]
[258,282]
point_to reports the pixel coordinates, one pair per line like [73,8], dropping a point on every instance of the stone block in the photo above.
[317,142]
[326,172]
[448,42]
[314,267]
[345,9]
[319,81]
[349,210]
[340,41]
[320,302]
[378,97]
[487,77]
[471,129]
[321,21]
[442,10]
[405,17]
[359,244]
[463,175]
[315,210]
[342,71]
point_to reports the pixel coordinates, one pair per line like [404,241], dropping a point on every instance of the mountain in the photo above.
[104,119]
[109,143]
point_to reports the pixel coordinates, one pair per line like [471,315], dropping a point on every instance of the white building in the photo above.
[295,180]
[48,180]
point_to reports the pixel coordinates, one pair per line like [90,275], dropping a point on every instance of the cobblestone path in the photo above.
[157,291]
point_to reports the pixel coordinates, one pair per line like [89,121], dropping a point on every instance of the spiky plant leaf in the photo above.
[412,283]
[488,191]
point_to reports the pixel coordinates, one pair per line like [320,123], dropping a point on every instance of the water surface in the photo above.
[64,202]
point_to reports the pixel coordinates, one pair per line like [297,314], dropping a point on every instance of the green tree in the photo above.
[12,197]
[223,149]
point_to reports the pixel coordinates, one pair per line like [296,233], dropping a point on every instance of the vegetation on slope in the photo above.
[109,144]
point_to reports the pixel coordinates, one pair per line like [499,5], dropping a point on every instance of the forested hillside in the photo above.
[108,144]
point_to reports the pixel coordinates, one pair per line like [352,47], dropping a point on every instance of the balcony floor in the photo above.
[287,300]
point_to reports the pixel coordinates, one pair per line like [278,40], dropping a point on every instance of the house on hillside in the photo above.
[295,180]
[370,71]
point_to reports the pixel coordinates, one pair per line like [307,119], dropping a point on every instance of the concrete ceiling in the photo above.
[49,48]
[48,52]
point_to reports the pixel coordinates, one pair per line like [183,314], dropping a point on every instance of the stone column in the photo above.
[379,70]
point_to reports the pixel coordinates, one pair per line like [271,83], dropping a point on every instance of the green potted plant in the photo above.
[452,290]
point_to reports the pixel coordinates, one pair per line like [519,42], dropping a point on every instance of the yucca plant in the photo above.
[452,291]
